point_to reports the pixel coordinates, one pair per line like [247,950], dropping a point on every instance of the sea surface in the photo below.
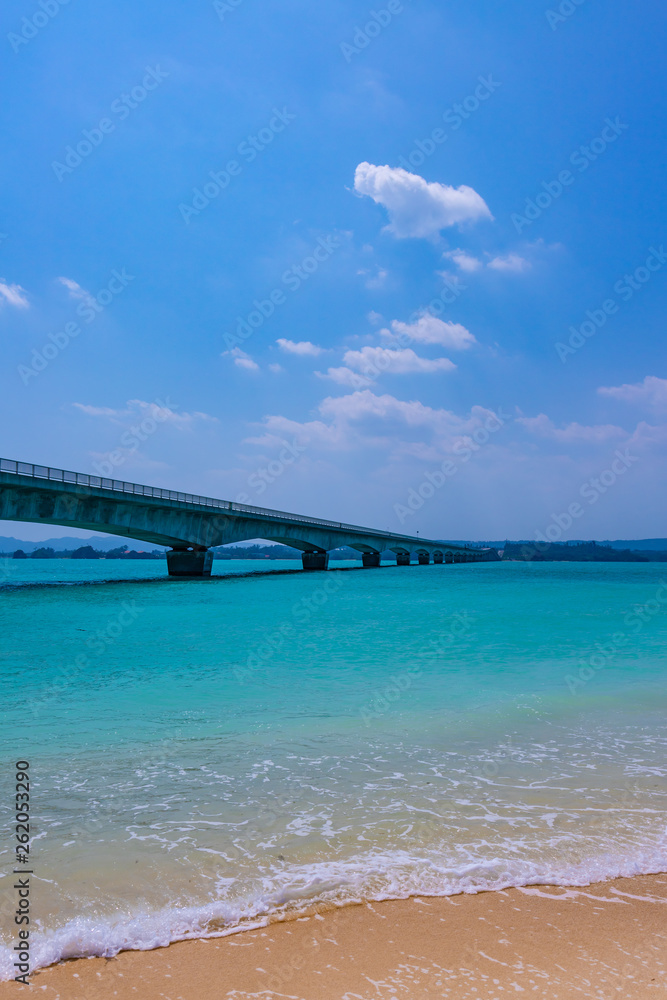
[210,754]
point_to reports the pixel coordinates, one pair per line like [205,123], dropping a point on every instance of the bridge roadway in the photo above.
[192,524]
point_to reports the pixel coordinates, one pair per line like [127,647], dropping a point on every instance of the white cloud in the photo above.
[374,361]
[416,207]
[75,290]
[276,369]
[573,433]
[464,261]
[162,411]
[431,330]
[98,411]
[363,419]
[376,280]
[510,262]
[652,392]
[243,360]
[374,317]
[14,295]
[346,377]
[302,347]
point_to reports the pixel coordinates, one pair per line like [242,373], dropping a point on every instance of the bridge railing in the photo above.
[119,486]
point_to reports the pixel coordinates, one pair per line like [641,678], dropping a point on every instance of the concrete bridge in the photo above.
[192,524]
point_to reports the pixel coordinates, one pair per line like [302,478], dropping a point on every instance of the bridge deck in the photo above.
[182,520]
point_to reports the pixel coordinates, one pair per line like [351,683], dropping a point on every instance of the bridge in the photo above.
[191,525]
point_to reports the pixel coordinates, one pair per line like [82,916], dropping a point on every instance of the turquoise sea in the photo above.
[206,755]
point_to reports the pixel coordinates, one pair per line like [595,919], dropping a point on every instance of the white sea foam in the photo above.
[394,875]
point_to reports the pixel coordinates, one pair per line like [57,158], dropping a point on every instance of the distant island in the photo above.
[576,552]
[85,552]
[509,552]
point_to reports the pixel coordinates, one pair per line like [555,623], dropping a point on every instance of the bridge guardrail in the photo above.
[118,485]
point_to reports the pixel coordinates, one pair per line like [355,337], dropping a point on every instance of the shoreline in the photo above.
[602,940]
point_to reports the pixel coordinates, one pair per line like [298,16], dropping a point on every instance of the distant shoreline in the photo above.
[509,552]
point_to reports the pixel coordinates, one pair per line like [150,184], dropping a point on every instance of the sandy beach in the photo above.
[602,941]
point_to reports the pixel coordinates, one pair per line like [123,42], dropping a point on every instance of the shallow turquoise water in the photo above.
[205,753]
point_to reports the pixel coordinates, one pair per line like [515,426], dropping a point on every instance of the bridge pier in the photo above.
[370,559]
[424,558]
[402,558]
[315,560]
[188,562]
[438,558]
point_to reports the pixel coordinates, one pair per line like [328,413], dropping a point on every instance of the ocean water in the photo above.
[209,755]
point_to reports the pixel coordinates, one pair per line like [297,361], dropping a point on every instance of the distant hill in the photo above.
[657,544]
[581,552]
[101,543]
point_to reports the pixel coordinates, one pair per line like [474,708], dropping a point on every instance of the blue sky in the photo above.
[408,207]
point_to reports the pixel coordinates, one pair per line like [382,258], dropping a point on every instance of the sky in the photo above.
[398,265]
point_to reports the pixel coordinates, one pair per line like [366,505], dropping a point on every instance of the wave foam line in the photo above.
[392,876]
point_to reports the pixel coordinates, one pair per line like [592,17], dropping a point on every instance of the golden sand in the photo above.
[607,940]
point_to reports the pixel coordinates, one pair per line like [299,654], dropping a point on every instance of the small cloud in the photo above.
[431,330]
[14,295]
[374,317]
[276,369]
[464,261]
[301,347]
[243,360]
[75,290]
[376,280]
[375,361]
[346,377]
[510,262]
[651,393]
[417,208]
[97,411]
[162,412]
[573,433]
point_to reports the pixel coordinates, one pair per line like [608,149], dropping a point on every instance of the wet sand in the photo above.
[603,941]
